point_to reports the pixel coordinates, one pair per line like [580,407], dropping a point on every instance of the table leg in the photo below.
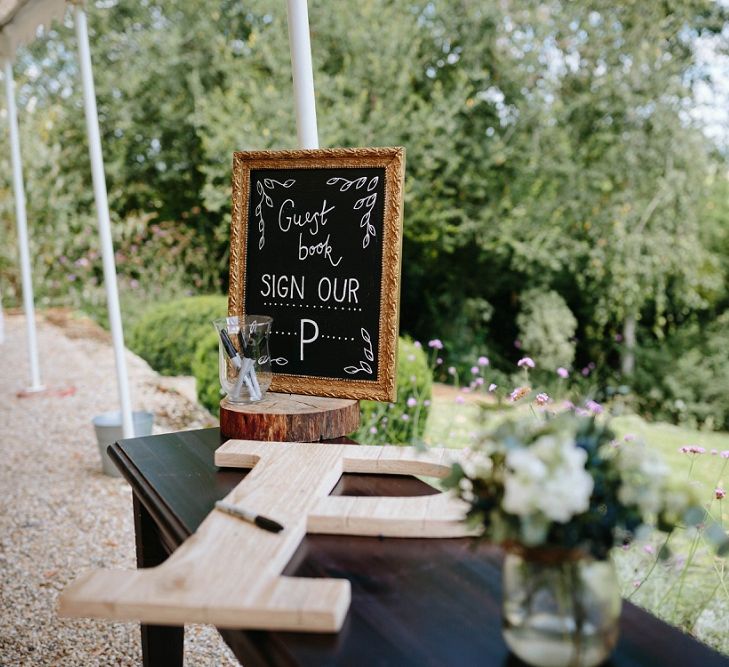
[162,645]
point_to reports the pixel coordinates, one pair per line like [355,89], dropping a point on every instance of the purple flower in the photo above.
[694,449]
[542,399]
[725,454]
[479,381]
[585,371]
[526,362]
[412,402]
[475,370]
[436,344]
[373,430]
[629,437]
[519,393]
[594,407]
[417,344]
[439,361]
[563,372]
[483,361]
[517,344]
[719,493]
[568,405]
[459,399]
[649,549]
[492,386]
[426,403]
[405,418]
[71,277]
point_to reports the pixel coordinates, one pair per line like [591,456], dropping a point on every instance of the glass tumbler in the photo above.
[244,360]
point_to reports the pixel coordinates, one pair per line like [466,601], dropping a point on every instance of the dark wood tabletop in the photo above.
[415,602]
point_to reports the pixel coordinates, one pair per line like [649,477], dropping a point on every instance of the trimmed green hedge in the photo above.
[167,336]
[205,370]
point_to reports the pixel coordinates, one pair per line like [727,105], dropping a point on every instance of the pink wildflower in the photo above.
[483,361]
[649,549]
[725,454]
[426,404]
[629,437]
[492,386]
[436,344]
[517,344]
[519,393]
[594,407]
[460,399]
[568,405]
[691,449]
[526,362]
[439,361]
[542,399]
[412,402]
[406,418]
[475,370]
[417,344]
[479,381]
[714,452]
[563,372]
[719,493]
[373,430]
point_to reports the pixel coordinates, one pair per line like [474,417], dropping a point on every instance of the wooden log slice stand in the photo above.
[289,418]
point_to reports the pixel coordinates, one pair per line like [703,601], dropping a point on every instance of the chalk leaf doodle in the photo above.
[261,187]
[367,202]
[276,361]
[363,367]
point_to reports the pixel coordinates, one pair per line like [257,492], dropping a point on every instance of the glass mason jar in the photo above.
[244,360]
[560,612]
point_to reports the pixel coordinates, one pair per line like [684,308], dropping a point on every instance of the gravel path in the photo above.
[58,514]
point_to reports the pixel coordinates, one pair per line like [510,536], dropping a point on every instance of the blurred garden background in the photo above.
[567,199]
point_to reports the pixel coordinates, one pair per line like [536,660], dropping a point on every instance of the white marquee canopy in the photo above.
[19,23]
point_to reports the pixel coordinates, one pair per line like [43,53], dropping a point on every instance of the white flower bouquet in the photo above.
[562,484]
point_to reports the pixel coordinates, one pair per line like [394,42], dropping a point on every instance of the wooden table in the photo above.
[414,602]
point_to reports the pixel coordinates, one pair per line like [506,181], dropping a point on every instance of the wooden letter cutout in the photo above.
[229,572]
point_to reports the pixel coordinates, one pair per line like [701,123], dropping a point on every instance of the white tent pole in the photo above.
[102,212]
[303,74]
[22,223]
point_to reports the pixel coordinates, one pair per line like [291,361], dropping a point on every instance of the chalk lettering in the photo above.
[282,287]
[306,341]
[339,289]
[322,248]
[314,219]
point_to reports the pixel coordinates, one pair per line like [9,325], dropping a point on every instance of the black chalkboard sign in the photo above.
[316,244]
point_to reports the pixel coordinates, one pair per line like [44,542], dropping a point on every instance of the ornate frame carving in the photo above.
[393,160]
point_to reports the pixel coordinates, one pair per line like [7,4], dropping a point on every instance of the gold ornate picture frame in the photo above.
[316,242]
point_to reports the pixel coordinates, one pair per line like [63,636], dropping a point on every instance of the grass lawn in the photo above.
[690,589]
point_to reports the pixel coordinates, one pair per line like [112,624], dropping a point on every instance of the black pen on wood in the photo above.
[260,521]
